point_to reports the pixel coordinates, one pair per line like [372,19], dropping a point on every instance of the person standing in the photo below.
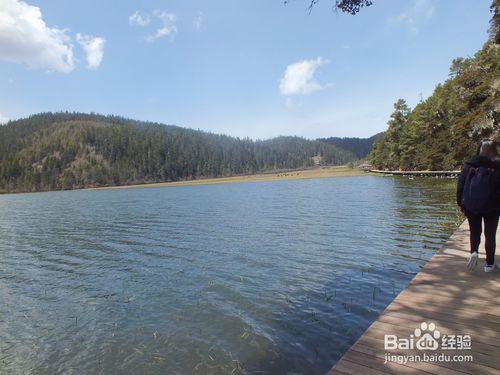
[478,195]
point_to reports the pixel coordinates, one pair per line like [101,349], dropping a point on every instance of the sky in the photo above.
[247,68]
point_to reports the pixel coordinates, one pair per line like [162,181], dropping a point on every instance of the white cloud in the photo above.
[26,39]
[418,13]
[198,21]
[138,19]
[3,119]
[168,26]
[299,77]
[93,48]
[167,22]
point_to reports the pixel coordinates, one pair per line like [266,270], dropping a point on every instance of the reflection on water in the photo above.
[276,276]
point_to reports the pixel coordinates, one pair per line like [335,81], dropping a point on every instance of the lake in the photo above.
[279,277]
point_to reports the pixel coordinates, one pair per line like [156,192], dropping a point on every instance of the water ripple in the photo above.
[279,277]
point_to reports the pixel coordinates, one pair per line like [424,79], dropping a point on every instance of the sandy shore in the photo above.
[325,172]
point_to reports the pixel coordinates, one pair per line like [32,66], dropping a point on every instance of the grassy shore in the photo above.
[324,172]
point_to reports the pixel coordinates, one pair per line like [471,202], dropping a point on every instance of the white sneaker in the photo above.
[472,263]
[490,268]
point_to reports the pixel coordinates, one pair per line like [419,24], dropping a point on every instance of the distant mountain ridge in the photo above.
[360,147]
[54,151]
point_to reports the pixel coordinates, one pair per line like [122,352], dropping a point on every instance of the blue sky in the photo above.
[254,68]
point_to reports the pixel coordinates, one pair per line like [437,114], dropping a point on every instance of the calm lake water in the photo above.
[278,277]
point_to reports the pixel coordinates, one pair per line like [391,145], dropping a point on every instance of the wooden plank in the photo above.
[403,316]
[376,363]
[457,301]
[458,314]
[434,368]
[378,330]
[336,372]
[347,367]
[449,304]
[428,367]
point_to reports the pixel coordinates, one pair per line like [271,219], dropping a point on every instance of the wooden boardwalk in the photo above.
[418,173]
[458,302]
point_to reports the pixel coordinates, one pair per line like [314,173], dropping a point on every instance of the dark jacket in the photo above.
[479,161]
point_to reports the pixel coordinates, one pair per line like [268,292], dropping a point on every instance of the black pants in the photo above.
[490,232]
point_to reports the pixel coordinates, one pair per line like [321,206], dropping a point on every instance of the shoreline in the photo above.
[302,174]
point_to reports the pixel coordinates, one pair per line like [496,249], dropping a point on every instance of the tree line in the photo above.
[441,132]
[54,151]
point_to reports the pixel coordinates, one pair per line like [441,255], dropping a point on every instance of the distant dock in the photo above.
[419,173]
[463,306]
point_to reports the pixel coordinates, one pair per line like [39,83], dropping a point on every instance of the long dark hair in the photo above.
[488,148]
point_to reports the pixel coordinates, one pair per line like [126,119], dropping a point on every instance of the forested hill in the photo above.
[360,147]
[441,132]
[52,151]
